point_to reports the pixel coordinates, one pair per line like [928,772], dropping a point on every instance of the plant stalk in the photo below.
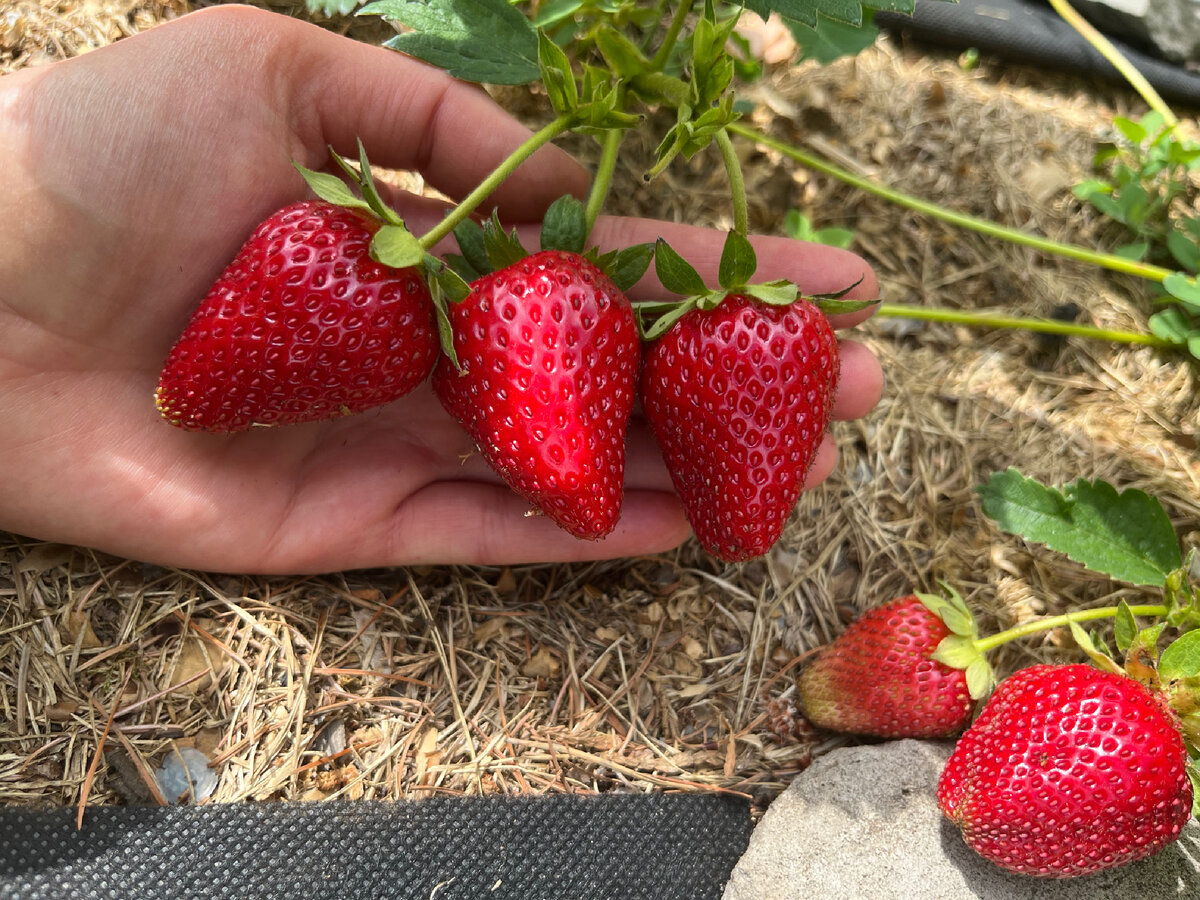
[469,203]
[603,180]
[1044,326]
[993,641]
[1119,62]
[659,62]
[737,182]
[962,220]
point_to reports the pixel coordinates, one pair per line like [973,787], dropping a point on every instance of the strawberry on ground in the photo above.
[878,678]
[1068,770]
[548,356]
[303,325]
[738,397]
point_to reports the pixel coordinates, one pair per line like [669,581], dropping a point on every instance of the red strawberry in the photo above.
[878,677]
[1068,770]
[303,325]
[549,355]
[739,398]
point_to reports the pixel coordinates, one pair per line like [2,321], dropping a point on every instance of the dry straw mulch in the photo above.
[666,673]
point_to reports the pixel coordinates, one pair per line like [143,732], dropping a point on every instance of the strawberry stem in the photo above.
[983,226]
[471,202]
[663,56]
[603,180]
[737,182]
[1045,326]
[983,645]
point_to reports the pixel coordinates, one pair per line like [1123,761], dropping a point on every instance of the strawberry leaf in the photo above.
[738,262]
[557,76]
[1181,659]
[475,40]
[676,273]
[564,227]
[1125,535]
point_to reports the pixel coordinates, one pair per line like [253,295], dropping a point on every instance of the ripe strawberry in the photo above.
[549,355]
[878,677]
[303,325]
[1068,770]
[739,397]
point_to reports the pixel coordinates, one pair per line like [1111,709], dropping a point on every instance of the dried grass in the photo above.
[666,673]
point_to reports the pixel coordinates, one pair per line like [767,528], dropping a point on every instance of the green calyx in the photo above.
[737,266]
[960,649]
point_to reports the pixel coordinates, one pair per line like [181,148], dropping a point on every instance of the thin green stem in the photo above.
[1044,326]
[993,641]
[737,182]
[469,203]
[604,174]
[962,220]
[664,49]
[1105,48]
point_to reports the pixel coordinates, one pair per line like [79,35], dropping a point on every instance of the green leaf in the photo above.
[1183,288]
[1126,535]
[555,11]
[1181,658]
[331,7]
[676,273]
[502,248]
[1184,249]
[331,189]
[564,227]
[1170,324]
[738,262]
[827,41]
[397,247]
[475,40]
[1134,132]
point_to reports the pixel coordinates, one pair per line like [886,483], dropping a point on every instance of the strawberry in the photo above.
[879,678]
[303,325]
[1068,770]
[548,355]
[738,397]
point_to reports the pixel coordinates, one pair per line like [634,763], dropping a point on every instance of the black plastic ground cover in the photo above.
[1034,34]
[610,847]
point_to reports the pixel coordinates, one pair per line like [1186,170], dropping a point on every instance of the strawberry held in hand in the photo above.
[879,676]
[304,324]
[738,385]
[1068,770]
[547,359]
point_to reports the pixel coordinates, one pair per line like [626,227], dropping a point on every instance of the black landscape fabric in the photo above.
[611,847]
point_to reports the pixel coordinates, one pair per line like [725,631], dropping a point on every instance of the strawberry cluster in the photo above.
[316,318]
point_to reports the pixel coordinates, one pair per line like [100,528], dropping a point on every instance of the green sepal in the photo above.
[557,75]
[840,307]
[772,293]
[626,266]
[952,609]
[1180,661]
[366,184]
[1125,627]
[1194,777]
[981,678]
[956,651]
[1095,650]
[676,274]
[622,55]
[397,247]
[738,262]
[331,189]
[469,235]
[671,313]
[458,263]
[502,248]
[445,286]
[564,226]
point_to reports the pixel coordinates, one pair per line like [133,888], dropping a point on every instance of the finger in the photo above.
[823,464]
[483,524]
[815,268]
[860,383]
[413,116]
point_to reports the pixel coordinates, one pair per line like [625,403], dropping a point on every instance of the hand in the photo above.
[136,172]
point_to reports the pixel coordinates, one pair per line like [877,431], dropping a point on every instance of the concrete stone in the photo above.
[863,823]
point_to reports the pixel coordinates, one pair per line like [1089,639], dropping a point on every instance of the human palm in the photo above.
[139,170]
